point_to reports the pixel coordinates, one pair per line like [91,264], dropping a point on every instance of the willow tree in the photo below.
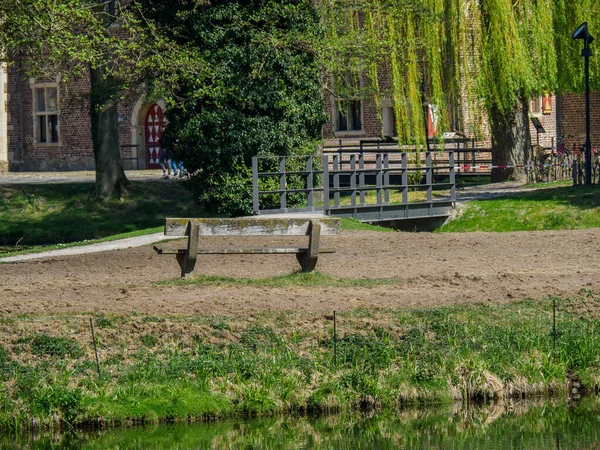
[518,62]
[365,38]
[487,58]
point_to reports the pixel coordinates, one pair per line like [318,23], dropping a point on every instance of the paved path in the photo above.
[462,195]
[81,176]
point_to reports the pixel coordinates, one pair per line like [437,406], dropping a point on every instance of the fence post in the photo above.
[379,181]
[255,194]
[326,184]
[386,178]
[429,177]
[452,177]
[310,182]
[361,177]
[353,179]
[282,184]
[404,180]
[336,180]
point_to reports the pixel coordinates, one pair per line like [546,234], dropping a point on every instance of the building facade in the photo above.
[45,124]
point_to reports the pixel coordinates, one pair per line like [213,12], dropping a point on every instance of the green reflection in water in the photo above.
[508,426]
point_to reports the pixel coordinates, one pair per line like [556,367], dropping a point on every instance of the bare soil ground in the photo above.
[434,269]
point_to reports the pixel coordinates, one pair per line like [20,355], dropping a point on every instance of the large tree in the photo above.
[259,92]
[110,41]
[480,55]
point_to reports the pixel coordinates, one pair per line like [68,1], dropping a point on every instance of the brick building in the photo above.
[45,124]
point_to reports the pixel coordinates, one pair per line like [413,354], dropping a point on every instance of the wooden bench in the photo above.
[247,226]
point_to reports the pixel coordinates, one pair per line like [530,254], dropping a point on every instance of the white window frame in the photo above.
[42,115]
[535,106]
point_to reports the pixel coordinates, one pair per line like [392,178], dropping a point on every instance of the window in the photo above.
[535,106]
[45,112]
[349,115]
[540,105]
[347,110]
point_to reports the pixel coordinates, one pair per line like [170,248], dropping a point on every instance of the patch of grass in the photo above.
[51,214]
[555,207]
[104,322]
[151,319]
[268,363]
[46,345]
[355,225]
[302,279]
[149,340]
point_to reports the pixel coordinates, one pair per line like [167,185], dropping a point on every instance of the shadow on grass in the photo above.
[44,214]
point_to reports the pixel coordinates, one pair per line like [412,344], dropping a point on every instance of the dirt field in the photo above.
[434,269]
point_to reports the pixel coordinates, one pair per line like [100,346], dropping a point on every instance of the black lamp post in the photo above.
[582,33]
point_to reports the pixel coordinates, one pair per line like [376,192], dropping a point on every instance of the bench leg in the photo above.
[308,260]
[187,260]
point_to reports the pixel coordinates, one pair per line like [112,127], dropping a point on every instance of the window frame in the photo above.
[42,116]
[347,104]
[535,106]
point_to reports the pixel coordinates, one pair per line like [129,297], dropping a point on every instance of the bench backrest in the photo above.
[252,226]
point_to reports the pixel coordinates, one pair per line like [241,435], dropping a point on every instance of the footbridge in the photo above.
[404,190]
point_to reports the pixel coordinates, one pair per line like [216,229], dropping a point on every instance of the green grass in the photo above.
[299,279]
[355,225]
[182,368]
[58,214]
[554,206]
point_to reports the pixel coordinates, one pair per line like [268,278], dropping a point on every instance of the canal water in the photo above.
[557,425]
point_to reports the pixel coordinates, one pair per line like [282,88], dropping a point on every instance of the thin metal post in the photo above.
[255,204]
[587,52]
[429,176]
[94,341]
[353,179]
[404,180]
[452,177]
[336,180]
[310,182]
[326,183]
[554,320]
[361,177]
[379,179]
[282,184]
[386,178]
[334,340]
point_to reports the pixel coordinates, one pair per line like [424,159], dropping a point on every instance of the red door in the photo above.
[155,122]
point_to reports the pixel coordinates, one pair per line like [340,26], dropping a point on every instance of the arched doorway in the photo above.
[154,123]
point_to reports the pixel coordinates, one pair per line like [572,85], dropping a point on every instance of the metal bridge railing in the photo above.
[340,183]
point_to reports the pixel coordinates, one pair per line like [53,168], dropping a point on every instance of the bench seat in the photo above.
[187,255]
[238,251]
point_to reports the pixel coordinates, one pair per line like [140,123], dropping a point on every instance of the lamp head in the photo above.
[582,33]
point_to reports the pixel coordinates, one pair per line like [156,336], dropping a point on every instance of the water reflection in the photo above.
[513,425]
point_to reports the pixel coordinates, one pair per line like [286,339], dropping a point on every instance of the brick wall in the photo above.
[572,115]
[74,150]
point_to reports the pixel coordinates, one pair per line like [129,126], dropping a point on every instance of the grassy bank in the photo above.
[552,206]
[185,368]
[40,217]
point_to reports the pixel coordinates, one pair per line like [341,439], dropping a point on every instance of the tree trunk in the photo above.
[110,176]
[511,141]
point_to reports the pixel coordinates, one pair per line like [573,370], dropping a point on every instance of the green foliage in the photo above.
[263,95]
[39,214]
[104,322]
[557,207]
[268,364]
[45,345]
[149,340]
